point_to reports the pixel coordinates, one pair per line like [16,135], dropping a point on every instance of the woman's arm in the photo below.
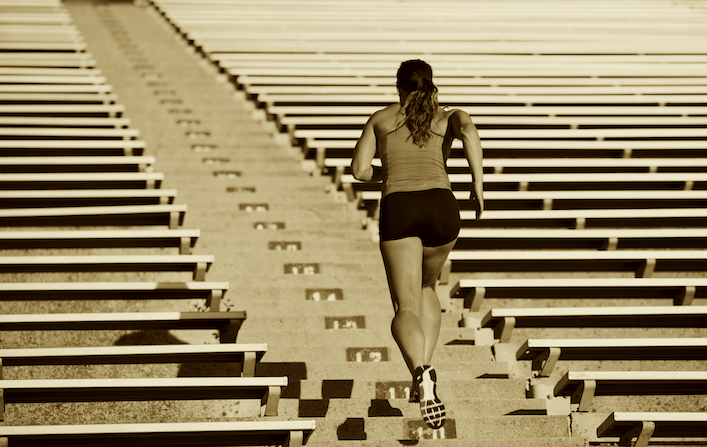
[363,154]
[464,129]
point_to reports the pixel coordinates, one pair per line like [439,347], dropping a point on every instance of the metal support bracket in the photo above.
[547,359]
[294,439]
[214,300]
[200,271]
[646,270]
[184,242]
[584,394]
[644,431]
[686,296]
[249,359]
[504,329]
[270,400]
[229,332]
[474,298]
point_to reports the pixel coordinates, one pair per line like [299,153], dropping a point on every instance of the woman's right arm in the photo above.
[464,129]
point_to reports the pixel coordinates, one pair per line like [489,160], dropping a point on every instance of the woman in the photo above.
[419,216]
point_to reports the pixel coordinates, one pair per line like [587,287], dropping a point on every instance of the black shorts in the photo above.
[431,215]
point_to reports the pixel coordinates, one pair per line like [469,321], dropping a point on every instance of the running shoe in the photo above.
[431,407]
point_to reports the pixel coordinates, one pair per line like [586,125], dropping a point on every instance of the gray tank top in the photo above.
[409,167]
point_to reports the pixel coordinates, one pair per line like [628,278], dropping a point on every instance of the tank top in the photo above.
[409,167]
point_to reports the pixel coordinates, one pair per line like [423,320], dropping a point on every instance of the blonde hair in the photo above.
[415,77]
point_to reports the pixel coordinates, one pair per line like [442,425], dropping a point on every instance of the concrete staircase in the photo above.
[351,380]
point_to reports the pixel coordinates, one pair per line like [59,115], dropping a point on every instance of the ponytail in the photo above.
[421,104]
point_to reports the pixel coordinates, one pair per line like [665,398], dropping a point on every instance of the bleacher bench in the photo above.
[545,353]
[503,321]
[56,121]
[69,132]
[90,180]
[76,98]
[211,292]
[184,239]
[228,323]
[681,290]
[81,164]
[85,197]
[198,264]
[644,426]
[21,148]
[251,433]
[266,389]
[642,262]
[246,354]
[171,215]
[582,386]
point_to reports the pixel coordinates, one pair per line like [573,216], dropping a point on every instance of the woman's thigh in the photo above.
[403,265]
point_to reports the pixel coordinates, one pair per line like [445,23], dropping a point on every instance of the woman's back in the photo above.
[407,166]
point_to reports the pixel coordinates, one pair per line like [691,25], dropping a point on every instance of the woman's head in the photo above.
[420,107]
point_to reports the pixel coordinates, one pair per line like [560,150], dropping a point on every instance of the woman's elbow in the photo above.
[360,172]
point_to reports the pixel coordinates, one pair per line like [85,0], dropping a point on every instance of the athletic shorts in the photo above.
[431,215]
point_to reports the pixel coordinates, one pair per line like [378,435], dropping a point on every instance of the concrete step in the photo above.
[353,337]
[476,442]
[450,385]
[512,427]
[316,319]
[337,352]
[374,407]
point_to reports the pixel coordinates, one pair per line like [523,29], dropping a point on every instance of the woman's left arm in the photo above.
[364,152]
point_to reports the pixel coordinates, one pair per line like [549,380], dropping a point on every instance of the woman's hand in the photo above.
[477,200]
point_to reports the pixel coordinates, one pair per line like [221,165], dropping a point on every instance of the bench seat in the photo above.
[85,197]
[252,433]
[582,386]
[38,59]
[55,88]
[56,121]
[545,353]
[107,110]
[681,290]
[68,98]
[603,239]
[69,132]
[503,321]
[642,262]
[266,389]
[124,180]
[198,264]
[228,323]
[82,164]
[170,215]
[644,426]
[44,46]
[51,80]
[212,292]
[185,240]
[246,354]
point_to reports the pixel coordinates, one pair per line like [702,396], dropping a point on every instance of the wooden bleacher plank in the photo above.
[198,264]
[56,88]
[144,163]
[498,164]
[265,389]
[185,240]
[80,79]
[246,354]
[86,197]
[643,426]
[681,290]
[496,110]
[64,133]
[80,98]
[56,121]
[285,433]
[60,74]
[228,323]
[81,180]
[170,215]
[546,352]
[109,110]
[42,46]
[642,262]
[212,292]
[582,386]
[503,321]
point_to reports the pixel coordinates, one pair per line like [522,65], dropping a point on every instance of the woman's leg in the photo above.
[431,313]
[403,265]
